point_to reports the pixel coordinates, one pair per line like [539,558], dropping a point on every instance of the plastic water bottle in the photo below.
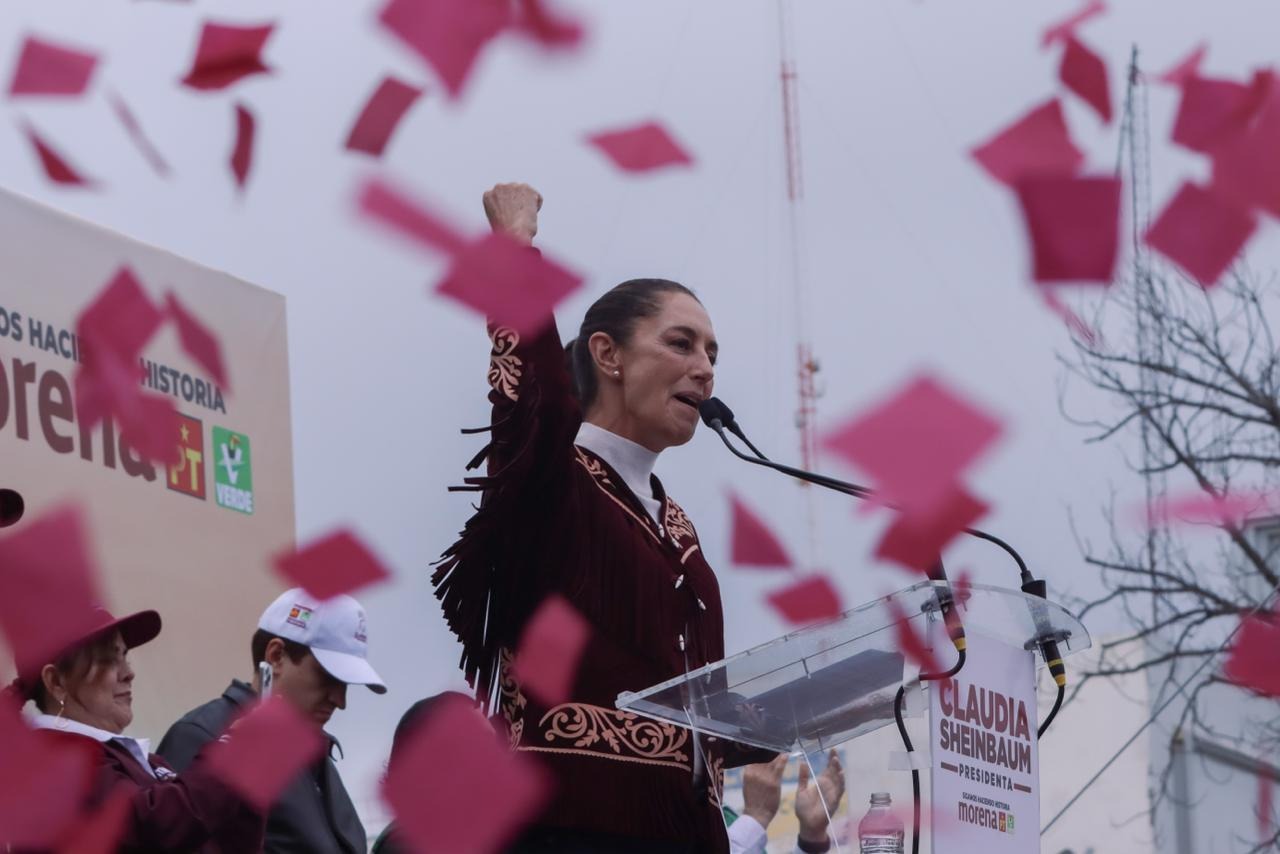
[881,831]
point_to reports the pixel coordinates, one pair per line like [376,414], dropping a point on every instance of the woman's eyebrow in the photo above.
[693,333]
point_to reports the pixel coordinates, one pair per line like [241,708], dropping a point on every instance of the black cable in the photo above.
[906,742]
[1053,713]
[855,490]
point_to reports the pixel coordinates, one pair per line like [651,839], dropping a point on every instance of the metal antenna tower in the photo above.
[806,364]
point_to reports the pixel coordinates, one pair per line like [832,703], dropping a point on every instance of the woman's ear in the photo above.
[54,688]
[605,353]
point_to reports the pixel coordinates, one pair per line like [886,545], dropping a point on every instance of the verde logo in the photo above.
[232,470]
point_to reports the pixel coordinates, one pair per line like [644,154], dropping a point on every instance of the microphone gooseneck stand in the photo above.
[716,415]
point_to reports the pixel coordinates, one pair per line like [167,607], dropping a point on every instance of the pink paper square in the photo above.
[336,563]
[380,116]
[264,751]
[550,647]
[1201,232]
[227,53]
[481,793]
[1037,144]
[752,544]
[1074,227]
[510,284]
[809,600]
[641,148]
[45,68]
[916,444]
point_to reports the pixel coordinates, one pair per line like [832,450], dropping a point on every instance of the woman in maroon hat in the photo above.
[87,693]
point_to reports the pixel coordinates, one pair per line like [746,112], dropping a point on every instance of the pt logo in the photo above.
[187,474]
[232,470]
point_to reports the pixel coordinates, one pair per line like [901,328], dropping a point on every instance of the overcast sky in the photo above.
[914,260]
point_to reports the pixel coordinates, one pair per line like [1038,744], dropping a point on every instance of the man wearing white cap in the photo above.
[313,649]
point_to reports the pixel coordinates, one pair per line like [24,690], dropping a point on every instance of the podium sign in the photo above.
[985,763]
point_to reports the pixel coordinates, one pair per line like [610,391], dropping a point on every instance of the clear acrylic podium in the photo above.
[819,687]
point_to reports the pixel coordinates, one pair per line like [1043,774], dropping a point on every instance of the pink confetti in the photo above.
[1200,508]
[809,600]
[131,126]
[1186,68]
[392,208]
[264,751]
[112,330]
[1202,233]
[550,647]
[226,54]
[49,597]
[916,540]
[910,644]
[1074,227]
[1245,168]
[337,563]
[1074,323]
[1036,144]
[45,68]
[242,150]
[547,26]
[99,831]
[197,340]
[1083,72]
[482,793]
[449,35]
[1252,663]
[752,544]
[1066,29]
[380,116]
[508,283]
[1211,111]
[44,783]
[917,444]
[642,148]
[55,166]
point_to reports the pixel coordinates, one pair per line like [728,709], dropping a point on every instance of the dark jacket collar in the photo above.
[240,694]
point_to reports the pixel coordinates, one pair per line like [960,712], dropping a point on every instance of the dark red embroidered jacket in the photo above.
[553,517]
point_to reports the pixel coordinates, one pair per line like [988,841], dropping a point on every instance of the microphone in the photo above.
[715,409]
[1048,648]
[716,415]
[11,507]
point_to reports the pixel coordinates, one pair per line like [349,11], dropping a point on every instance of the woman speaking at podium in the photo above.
[570,506]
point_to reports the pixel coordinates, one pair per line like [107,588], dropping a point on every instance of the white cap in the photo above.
[334,630]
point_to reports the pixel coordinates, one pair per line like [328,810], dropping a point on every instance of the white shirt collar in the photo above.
[140,748]
[632,461]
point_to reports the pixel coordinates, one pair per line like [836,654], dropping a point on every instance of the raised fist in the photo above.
[513,210]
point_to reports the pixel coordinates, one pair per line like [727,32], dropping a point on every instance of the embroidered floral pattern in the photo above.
[625,735]
[511,699]
[593,466]
[715,770]
[678,524]
[504,365]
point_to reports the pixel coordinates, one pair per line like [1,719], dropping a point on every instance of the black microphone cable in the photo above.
[716,415]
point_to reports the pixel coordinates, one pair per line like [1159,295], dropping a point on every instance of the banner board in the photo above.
[985,778]
[192,540]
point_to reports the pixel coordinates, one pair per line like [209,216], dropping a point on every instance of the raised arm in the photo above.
[482,580]
[535,415]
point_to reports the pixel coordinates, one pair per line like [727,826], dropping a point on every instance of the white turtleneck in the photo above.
[633,462]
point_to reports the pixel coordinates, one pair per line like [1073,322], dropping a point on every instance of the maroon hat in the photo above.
[135,630]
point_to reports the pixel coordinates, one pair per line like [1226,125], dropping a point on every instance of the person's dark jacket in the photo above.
[192,811]
[314,814]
